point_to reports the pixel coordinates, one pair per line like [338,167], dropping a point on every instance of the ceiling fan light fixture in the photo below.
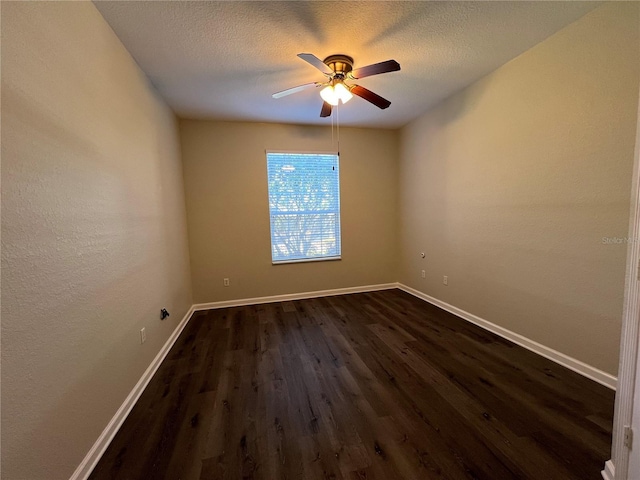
[333,94]
[342,92]
[329,95]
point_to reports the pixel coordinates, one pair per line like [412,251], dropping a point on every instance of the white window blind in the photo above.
[304,206]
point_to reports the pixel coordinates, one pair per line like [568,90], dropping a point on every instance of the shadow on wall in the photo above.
[459,104]
[62,380]
[170,212]
[314,133]
[81,404]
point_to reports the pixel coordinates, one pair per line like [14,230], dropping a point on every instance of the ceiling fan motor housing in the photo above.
[340,64]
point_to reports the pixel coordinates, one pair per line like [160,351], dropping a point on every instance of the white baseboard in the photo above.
[293,296]
[609,472]
[577,366]
[100,446]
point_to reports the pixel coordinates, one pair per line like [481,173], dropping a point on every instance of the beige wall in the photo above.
[93,232]
[510,186]
[228,214]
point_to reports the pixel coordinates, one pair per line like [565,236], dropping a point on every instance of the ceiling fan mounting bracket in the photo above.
[340,64]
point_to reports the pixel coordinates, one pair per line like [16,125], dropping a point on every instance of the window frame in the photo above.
[339,190]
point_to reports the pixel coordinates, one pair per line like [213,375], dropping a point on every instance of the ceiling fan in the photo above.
[339,68]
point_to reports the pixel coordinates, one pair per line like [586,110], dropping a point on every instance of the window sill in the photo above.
[306,260]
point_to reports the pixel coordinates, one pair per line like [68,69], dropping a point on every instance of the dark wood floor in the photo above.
[366,386]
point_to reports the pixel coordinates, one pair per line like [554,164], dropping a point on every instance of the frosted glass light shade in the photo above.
[329,95]
[332,94]
[342,92]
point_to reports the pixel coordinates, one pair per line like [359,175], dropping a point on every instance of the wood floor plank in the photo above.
[378,385]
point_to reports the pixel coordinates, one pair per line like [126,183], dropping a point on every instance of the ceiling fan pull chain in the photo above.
[338,127]
[332,142]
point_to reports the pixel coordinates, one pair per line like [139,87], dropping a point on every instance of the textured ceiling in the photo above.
[223,60]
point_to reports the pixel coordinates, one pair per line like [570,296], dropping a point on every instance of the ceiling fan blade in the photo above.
[375,69]
[326,110]
[316,62]
[369,96]
[297,89]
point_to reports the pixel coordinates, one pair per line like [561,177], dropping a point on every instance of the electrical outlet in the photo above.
[424,274]
[143,335]
[445,280]
[225,282]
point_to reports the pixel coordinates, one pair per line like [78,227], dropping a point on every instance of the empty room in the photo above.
[320,240]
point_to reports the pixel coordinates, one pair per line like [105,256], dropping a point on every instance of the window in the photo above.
[304,206]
